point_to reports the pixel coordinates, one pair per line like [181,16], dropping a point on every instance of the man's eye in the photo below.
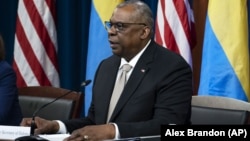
[119,25]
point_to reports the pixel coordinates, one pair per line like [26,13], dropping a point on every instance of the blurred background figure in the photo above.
[10,111]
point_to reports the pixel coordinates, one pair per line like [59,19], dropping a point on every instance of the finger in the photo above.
[74,139]
[37,131]
[70,138]
[25,122]
[74,135]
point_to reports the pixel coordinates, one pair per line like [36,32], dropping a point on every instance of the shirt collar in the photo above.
[135,59]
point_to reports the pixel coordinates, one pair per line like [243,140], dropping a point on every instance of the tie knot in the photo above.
[126,67]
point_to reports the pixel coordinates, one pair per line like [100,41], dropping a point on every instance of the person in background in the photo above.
[158,89]
[10,111]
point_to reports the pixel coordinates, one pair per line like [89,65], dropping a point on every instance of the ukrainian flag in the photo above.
[98,47]
[225,56]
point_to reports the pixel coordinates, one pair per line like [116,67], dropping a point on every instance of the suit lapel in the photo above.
[140,70]
[111,72]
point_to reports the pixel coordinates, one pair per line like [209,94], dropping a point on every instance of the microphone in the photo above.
[32,137]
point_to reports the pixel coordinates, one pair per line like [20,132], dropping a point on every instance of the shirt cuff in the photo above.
[62,127]
[117,133]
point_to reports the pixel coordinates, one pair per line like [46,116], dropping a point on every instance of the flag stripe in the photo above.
[173,27]
[217,81]
[42,30]
[20,80]
[36,44]
[22,67]
[164,36]
[100,11]
[182,13]
[157,35]
[176,26]
[30,55]
[229,74]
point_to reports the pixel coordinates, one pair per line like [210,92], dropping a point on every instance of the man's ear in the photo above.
[145,32]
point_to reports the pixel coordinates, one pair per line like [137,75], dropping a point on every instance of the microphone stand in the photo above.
[33,137]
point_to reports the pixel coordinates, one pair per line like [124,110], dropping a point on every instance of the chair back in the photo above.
[219,110]
[220,102]
[32,98]
[218,116]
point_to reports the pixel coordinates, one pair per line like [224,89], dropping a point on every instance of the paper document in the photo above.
[13,132]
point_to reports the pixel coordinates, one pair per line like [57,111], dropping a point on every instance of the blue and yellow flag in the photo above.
[98,47]
[225,56]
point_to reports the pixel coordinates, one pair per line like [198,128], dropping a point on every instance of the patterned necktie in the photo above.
[119,85]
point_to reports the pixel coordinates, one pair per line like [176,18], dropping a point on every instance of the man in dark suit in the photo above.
[158,90]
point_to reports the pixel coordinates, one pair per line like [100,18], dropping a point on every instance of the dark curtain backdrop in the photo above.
[72,21]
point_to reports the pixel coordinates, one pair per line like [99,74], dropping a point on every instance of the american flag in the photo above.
[35,47]
[175,27]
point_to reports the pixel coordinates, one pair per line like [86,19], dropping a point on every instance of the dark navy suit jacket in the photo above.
[10,111]
[159,91]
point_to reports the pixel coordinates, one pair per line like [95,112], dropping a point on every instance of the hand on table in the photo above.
[43,126]
[93,133]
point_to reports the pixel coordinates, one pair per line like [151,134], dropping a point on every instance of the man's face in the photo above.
[125,32]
